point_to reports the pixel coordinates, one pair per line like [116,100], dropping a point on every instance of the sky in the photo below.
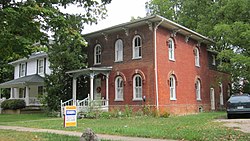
[119,11]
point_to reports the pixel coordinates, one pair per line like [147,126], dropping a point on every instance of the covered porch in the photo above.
[27,88]
[98,96]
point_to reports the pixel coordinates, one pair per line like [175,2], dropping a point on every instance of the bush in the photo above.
[13,104]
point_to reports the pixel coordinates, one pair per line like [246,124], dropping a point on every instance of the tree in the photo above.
[227,22]
[30,21]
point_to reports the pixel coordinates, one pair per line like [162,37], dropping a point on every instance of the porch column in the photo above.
[107,88]
[92,86]
[11,93]
[27,97]
[74,91]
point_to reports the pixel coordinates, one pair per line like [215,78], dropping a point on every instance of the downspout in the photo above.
[156,69]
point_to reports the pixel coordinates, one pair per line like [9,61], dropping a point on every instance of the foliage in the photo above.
[227,22]
[13,104]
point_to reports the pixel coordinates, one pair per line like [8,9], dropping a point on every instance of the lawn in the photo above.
[191,127]
[10,135]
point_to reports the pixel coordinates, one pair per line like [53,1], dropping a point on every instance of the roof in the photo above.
[87,71]
[152,19]
[24,81]
[35,55]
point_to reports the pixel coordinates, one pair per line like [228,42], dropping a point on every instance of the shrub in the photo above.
[13,104]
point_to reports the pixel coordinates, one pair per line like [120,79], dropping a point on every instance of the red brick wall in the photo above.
[183,68]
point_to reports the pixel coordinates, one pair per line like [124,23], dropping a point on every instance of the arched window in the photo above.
[118,88]
[221,94]
[229,90]
[137,87]
[171,49]
[172,86]
[97,54]
[198,89]
[118,50]
[137,47]
[197,57]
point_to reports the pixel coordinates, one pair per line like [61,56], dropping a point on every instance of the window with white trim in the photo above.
[213,60]
[137,87]
[137,47]
[40,66]
[118,50]
[171,49]
[197,57]
[172,86]
[198,89]
[97,54]
[118,89]
[221,94]
[22,69]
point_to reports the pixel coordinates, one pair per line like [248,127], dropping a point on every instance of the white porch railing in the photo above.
[85,105]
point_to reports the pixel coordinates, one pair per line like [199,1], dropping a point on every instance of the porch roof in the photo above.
[91,70]
[23,81]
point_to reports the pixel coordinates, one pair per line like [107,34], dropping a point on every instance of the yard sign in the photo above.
[70,116]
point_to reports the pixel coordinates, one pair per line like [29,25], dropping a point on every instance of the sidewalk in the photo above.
[73,133]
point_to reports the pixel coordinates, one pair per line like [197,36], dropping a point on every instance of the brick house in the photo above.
[156,62]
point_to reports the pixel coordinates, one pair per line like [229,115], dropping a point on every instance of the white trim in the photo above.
[171,51]
[137,88]
[117,87]
[221,94]
[197,57]
[137,48]
[119,50]
[198,89]
[172,87]
[99,54]
[40,66]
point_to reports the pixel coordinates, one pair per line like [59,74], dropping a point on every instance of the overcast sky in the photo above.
[119,11]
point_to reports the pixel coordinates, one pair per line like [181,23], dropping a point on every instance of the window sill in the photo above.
[97,64]
[118,61]
[117,100]
[172,60]
[197,66]
[137,99]
[137,58]
[173,99]
[198,99]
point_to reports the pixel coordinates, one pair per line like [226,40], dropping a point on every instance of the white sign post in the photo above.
[70,116]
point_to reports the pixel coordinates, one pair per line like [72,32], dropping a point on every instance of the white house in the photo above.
[28,82]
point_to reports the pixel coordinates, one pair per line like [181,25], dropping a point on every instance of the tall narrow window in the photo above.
[137,47]
[40,66]
[172,86]
[171,49]
[221,94]
[198,89]
[118,50]
[22,69]
[118,89]
[229,90]
[213,60]
[137,90]
[97,54]
[197,57]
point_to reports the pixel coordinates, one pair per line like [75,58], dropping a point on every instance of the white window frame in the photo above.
[171,48]
[118,50]
[137,47]
[40,66]
[213,60]
[221,93]
[22,69]
[137,87]
[197,57]
[172,87]
[119,89]
[198,89]
[97,54]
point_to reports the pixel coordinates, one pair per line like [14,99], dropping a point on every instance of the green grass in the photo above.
[10,135]
[191,127]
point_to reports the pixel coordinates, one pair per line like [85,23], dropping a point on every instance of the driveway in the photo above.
[238,124]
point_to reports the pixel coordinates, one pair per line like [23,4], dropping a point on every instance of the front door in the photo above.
[212,99]
[97,89]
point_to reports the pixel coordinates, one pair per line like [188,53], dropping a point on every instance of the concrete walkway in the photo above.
[74,133]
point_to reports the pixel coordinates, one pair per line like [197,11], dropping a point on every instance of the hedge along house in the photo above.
[155,62]
[28,82]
